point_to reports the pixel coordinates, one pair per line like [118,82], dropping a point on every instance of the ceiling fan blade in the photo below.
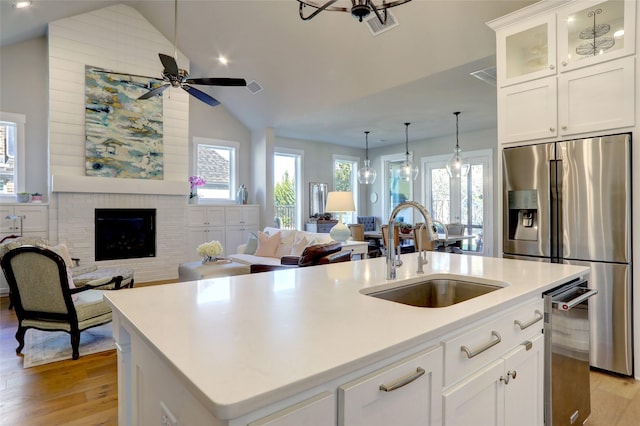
[154,92]
[217,81]
[169,63]
[200,95]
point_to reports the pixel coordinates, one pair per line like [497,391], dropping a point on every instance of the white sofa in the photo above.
[292,243]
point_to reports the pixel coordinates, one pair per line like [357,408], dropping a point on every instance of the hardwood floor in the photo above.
[85,392]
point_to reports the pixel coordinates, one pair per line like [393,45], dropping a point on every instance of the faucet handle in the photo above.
[398,261]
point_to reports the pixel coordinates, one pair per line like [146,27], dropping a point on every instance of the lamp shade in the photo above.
[340,202]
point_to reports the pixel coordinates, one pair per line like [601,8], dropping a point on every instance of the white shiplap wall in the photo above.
[117,38]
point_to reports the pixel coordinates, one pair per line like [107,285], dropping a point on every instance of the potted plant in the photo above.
[23,197]
[405,228]
[36,197]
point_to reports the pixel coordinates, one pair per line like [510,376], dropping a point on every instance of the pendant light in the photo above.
[366,175]
[408,171]
[456,166]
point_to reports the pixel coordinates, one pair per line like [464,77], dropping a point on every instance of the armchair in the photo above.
[319,254]
[44,298]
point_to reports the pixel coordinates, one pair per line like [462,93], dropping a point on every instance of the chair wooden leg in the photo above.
[20,338]
[75,344]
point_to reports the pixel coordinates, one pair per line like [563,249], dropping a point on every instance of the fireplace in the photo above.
[125,233]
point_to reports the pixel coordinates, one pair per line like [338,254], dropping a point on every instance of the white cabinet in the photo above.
[30,219]
[406,393]
[508,391]
[204,224]
[495,370]
[573,78]
[240,222]
[316,411]
[230,225]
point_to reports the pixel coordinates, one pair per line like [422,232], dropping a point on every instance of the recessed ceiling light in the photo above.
[223,60]
[21,4]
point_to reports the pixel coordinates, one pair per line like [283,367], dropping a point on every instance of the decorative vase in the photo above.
[209,259]
[23,198]
[193,200]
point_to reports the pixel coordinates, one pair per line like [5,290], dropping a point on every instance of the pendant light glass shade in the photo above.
[366,175]
[456,167]
[408,171]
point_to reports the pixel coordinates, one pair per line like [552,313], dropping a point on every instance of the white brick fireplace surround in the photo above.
[72,217]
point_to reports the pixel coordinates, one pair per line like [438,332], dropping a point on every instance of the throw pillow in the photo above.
[267,244]
[299,245]
[62,251]
[252,244]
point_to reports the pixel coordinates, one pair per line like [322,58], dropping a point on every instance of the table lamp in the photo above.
[340,202]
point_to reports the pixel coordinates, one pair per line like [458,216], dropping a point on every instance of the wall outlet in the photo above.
[167,418]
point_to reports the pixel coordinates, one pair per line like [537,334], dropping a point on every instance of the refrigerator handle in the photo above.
[555,203]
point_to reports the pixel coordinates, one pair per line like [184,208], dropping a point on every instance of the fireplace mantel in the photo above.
[102,185]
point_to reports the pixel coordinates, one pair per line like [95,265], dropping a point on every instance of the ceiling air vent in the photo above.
[254,87]
[377,28]
[488,75]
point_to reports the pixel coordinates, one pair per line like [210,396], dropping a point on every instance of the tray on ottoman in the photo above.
[197,270]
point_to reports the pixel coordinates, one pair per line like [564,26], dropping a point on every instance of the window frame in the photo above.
[299,160]
[482,156]
[234,161]
[19,120]
[348,217]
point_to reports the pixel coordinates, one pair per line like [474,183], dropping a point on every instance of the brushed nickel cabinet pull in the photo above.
[403,381]
[471,353]
[537,318]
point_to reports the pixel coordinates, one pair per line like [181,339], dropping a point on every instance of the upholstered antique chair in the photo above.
[318,254]
[81,274]
[44,298]
[369,222]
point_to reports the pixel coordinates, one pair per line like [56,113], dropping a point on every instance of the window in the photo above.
[287,190]
[11,153]
[216,162]
[394,189]
[345,178]
[466,200]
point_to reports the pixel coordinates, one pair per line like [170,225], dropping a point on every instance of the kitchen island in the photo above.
[277,347]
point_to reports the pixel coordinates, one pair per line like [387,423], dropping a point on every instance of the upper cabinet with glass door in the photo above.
[590,32]
[526,51]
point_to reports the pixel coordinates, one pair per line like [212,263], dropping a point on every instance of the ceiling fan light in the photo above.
[21,4]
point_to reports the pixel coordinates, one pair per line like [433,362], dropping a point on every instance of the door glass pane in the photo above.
[472,207]
[527,51]
[399,191]
[284,192]
[441,195]
[596,30]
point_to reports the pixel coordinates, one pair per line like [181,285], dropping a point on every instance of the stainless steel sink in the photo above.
[435,293]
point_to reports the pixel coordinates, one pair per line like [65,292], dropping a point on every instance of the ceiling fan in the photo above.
[178,77]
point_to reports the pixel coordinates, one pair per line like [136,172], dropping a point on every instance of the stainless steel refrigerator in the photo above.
[570,202]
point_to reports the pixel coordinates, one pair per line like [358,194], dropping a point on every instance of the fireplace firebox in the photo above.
[125,233]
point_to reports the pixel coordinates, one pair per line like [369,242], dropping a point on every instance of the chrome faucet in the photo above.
[391,250]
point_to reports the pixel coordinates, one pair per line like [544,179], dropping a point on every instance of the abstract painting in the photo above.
[123,134]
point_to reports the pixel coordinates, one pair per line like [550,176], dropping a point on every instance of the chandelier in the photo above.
[366,175]
[408,171]
[455,165]
[359,9]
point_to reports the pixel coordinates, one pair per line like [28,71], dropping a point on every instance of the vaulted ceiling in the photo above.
[327,79]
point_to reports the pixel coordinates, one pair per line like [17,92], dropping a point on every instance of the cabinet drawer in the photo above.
[418,402]
[489,340]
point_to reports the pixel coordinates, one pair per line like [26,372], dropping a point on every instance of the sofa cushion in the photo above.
[252,244]
[299,245]
[311,254]
[267,244]
[250,259]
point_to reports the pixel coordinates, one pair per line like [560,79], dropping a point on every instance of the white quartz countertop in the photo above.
[247,341]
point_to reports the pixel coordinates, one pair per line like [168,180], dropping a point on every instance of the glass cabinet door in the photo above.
[527,51]
[595,31]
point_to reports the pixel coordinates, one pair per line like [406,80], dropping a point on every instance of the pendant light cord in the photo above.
[366,139]
[406,139]
[457,140]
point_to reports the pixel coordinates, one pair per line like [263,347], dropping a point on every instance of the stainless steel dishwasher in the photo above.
[566,329]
